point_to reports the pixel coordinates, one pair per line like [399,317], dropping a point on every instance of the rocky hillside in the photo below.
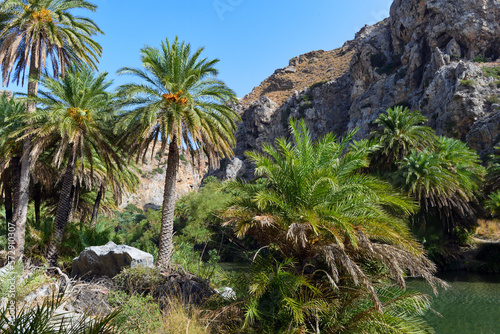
[303,71]
[436,56]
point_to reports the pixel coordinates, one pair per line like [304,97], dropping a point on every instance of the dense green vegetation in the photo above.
[321,241]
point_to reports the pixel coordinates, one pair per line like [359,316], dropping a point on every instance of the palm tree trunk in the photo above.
[21,210]
[64,208]
[37,196]
[167,217]
[16,178]
[97,203]
[75,201]
[8,198]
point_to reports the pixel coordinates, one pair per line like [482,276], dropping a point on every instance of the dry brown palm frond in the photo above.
[298,233]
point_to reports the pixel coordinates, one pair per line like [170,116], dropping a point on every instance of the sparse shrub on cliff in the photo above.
[317,84]
[495,84]
[468,83]
[157,171]
[305,97]
[493,72]
[493,99]
[479,59]
[303,107]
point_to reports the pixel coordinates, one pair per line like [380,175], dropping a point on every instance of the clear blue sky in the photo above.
[251,38]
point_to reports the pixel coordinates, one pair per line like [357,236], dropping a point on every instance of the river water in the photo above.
[470,306]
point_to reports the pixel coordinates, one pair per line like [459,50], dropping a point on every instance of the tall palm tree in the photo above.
[182,104]
[74,111]
[318,208]
[32,32]
[11,119]
[399,132]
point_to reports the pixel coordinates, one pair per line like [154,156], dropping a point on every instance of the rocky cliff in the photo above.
[436,56]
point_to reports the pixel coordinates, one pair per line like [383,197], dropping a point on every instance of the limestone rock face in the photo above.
[109,259]
[429,55]
[422,57]
[471,25]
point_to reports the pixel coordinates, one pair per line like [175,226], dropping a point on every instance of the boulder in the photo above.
[108,260]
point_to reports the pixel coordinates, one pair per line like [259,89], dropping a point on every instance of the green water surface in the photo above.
[470,306]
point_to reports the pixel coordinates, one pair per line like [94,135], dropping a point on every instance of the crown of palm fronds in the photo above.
[399,132]
[74,111]
[36,30]
[180,99]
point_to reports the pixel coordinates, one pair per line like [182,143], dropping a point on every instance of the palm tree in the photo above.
[316,207]
[183,105]
[11,114]
[492,204]
[74,111]
[32,32]
[446,180]
[493,172]
[399,132]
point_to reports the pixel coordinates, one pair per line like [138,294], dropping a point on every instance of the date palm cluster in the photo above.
[69,139]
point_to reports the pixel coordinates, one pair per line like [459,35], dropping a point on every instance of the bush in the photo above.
[495,84]
[191,261]
[493,204]
[479,59]
[317,84]
[136,228]
[304,106]
[467,83]
[306,97]
[44,319]
[138,314]
[142,315]
[139,280]
[493,72]
[25,284]
[493,99]
[157,171]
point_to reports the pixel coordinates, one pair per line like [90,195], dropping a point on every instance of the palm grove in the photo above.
[331,223]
